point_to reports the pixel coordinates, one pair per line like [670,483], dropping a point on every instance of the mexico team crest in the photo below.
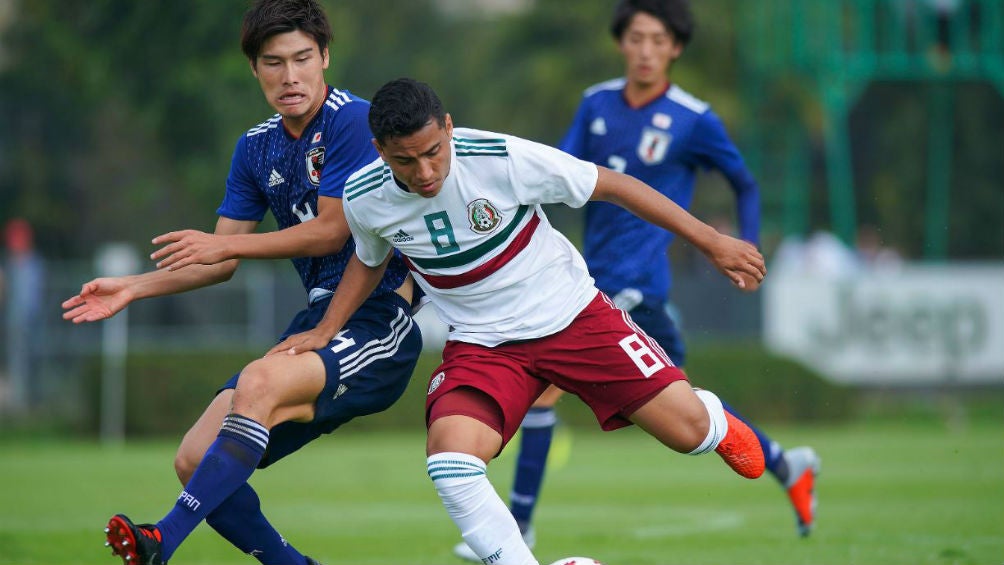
[483,216]
[435,382]
[653,146]
[315,159]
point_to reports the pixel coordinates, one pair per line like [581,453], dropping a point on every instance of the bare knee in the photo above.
[693,428]
[255,392]
[462,434]
[185,462]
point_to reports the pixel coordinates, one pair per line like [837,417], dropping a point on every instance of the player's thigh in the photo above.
[675,416]
[201,435]
[280,388]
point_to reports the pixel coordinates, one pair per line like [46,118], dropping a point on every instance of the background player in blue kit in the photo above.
[294,165]
[647,127]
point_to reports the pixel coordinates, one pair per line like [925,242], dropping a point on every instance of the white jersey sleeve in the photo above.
[548,175]
[370,247]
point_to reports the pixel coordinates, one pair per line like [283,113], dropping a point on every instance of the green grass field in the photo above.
[890,494]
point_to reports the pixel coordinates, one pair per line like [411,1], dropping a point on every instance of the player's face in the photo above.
[290,70]
[421,160]
[649,49]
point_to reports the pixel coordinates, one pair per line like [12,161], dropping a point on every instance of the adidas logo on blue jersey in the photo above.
[402,236]
[275,178]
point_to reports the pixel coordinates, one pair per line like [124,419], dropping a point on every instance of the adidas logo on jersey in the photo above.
[275,178]
[402,236]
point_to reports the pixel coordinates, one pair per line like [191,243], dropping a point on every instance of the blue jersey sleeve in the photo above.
[350,145]
[712,148]
[574,142]
[243,199]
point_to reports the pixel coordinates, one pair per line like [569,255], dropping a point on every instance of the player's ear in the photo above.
[379,147]
[448,122]
[254,67]
[676,50]
[325,58]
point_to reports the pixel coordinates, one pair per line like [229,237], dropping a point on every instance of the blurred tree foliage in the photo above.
[119,117]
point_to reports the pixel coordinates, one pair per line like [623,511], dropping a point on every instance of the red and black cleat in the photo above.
[136,544]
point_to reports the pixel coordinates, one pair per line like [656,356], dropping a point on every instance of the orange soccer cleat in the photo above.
[741,449]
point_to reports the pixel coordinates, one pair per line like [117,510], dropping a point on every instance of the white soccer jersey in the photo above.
[482,248]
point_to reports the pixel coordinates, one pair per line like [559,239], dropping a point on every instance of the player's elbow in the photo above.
[327,238]
[608,183]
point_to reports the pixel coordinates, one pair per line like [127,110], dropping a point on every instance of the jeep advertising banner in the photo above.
[917,325]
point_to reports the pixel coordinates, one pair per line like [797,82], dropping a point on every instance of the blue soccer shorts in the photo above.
[368,366]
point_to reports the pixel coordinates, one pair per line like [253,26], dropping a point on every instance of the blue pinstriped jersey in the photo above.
[662,143]
[273,171]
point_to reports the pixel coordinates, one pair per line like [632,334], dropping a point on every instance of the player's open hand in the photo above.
[189,247]
[738,260]
[99,299]
[301,342]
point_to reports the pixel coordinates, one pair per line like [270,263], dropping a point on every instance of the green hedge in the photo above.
[165,393]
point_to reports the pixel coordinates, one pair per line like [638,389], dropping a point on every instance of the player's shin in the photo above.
[484,521]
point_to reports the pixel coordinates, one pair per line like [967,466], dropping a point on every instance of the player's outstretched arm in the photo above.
[104,297]
[98,299]
[356,285]
[325,234]
[734,258]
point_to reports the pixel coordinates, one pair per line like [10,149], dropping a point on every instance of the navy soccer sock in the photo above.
[227,465]
[773,455]
[240,521]
[538,429]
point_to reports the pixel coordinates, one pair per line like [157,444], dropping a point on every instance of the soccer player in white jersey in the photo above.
[293,165]
[647,127]
[464,209]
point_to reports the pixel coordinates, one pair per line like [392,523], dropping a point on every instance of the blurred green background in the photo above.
[858,117]
[119,118]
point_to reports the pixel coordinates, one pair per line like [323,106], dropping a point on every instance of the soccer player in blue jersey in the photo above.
[647,127]
[294,165]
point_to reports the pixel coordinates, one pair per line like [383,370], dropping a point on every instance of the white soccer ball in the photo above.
[577,561]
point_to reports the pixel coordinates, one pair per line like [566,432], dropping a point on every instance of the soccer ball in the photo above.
[577,561]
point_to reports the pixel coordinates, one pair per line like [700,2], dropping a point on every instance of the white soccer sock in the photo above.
[718,427]
[484,520]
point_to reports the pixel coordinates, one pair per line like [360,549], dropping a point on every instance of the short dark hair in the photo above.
[271,17]
[674,14]
[403,106]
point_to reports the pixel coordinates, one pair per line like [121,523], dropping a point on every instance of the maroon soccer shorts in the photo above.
[602,357]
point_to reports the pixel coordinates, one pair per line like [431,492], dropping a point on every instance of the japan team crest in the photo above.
[653,146]
[315,160]
[483,216]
